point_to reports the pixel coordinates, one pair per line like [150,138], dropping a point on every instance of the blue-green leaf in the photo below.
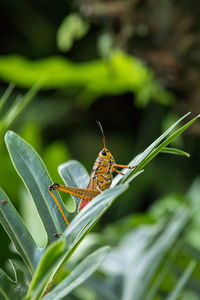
[36,178]
[143,266]
[90,214]
[74,174]
[45,270]
[13,287]
[79,274]
[86,219]
[138,160]
[174,295]
[155,148]
[17,231]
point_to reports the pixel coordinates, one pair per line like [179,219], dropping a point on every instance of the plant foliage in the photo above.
[45,264]
[119,74]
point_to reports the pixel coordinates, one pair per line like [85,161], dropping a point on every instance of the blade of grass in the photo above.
[147,158]
[6,95]
[18,106]
[164,272]
[130,178]
[175,151]
[142,268]
[182,281]
[168,141]
[140,158]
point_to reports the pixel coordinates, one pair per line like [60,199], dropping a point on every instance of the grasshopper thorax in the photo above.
[101,176]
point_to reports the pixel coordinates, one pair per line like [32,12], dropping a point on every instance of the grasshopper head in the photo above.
[105,154]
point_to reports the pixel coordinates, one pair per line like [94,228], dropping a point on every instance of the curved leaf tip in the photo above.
[8,134]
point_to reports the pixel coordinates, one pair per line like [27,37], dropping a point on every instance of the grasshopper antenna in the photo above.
[103,135]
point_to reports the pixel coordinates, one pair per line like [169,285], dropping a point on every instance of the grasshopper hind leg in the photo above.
[85,194]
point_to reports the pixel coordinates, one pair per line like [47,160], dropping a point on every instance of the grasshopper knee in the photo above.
[53,186]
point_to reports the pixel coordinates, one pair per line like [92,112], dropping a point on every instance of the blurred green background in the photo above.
[133,65]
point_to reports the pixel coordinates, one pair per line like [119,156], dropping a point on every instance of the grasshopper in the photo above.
[100,178]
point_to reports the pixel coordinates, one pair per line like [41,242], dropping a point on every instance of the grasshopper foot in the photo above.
[56,235]
[133,167]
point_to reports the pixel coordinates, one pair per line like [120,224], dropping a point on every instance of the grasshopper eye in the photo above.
[103,152]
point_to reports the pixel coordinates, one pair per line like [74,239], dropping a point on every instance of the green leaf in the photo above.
[31,218]
[163,273]
[6,95]
[182,281]
[142,159]
[18,106]
[79,274]
[102,287]
[121,73]
[72,28]
[45,270]
[17,231]
[175,151]
[90,214]
[159,279]
[168,140]
[86,219]
[53,156]
[143,266]
[130,178]
[13,288]
[36,178]
[74,174]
